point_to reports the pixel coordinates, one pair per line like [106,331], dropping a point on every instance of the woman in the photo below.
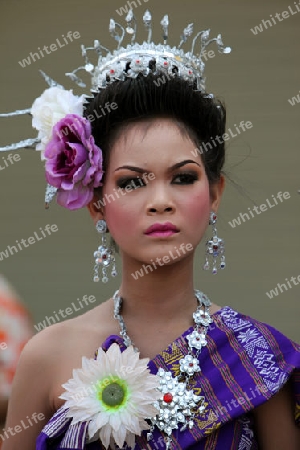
[226,381]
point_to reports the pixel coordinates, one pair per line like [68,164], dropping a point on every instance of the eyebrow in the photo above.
[175,166]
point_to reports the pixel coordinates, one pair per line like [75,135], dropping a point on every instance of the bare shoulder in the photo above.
[82,330]
[47,361]
[214,308]
[99,322]
[30,390]
[74,338]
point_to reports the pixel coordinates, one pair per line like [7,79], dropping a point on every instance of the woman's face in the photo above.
[156,176]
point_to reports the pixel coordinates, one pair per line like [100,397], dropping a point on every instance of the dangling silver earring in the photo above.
[214,247]
[104,256]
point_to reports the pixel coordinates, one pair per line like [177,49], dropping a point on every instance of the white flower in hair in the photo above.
[54,104]
[115,394]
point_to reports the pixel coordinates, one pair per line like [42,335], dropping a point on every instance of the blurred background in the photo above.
[256,81]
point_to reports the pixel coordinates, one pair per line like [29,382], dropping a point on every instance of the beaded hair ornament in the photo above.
[73,162]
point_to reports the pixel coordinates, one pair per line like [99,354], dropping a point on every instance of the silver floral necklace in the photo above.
[178,404]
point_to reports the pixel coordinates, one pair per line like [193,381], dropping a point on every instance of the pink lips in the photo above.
[161,229]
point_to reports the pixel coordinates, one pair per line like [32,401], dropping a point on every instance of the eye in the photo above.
[133,182]
[185,178]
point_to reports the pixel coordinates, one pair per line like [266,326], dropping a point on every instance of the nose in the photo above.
[160,201]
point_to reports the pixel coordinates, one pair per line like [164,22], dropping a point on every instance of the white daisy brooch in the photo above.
[115,393]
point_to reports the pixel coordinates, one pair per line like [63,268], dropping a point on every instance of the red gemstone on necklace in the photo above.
[168,397]
[191,364]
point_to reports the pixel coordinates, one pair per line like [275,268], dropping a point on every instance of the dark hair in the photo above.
[203,118]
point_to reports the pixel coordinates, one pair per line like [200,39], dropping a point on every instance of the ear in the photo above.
[96,209]
[216,191]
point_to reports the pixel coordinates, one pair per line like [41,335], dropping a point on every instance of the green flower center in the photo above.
[113,394]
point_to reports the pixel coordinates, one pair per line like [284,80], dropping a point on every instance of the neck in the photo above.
[165,293]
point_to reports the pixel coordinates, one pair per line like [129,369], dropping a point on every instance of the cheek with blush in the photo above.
[197,208]
[120,219]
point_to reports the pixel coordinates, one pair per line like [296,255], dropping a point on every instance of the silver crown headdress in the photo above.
[148,57]
[136,59]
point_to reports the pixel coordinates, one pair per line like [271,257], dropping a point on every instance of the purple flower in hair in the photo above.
[73,162]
